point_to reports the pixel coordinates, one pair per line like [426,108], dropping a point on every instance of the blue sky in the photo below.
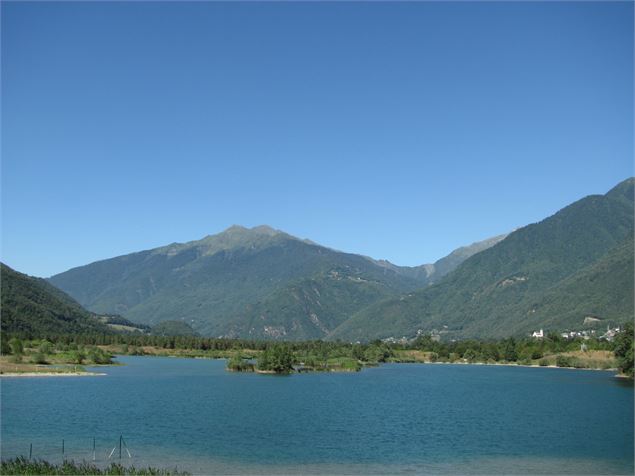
[399,131]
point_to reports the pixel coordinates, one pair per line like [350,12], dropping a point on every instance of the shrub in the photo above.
[238,364]
[77,357]
[564,361]
[536,354]
[46,347]
[578,364]
[39,358]
[99,357]
[377,353]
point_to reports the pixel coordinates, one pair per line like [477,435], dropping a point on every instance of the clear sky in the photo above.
[399,131]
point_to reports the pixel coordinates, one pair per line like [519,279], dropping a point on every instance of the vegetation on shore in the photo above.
[44,356]
[624,352]
[284,357]
[24,466]
[550,352]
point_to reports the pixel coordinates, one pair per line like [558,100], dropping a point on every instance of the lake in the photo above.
[396,418]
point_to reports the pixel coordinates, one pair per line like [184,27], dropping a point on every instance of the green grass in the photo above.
[24,466]
[344,363]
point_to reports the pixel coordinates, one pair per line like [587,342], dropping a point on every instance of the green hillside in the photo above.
[240,282]
[310,307]
[604,289]
[528,280]
[31,307]
[173,328]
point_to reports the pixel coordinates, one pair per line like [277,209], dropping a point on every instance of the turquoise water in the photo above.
[396,418]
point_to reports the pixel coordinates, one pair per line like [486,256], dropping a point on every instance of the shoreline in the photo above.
[508,364]
[51,374]
[492,364]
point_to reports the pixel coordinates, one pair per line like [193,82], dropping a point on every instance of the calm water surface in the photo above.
[397,418]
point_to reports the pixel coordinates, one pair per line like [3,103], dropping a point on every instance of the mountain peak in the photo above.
[623,190]
[266,230]
[235,228]
[260,230]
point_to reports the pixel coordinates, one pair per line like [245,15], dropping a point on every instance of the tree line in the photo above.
[318,353]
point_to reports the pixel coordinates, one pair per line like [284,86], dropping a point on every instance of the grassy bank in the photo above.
[592,359]
[244,360]
[7,367]
[24,466]
[43,357]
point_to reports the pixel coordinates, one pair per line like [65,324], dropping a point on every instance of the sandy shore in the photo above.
[50,374]
[508,364]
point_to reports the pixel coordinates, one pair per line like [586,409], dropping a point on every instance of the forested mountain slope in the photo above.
[32,307]
[257,282]
[527,281]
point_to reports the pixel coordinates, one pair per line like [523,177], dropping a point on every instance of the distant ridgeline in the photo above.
[571,270]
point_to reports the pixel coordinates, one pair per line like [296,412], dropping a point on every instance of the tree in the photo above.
[357,352]
[509,350]
[470,355]
[377,352]
[46,347]
[98,356]
[77,357]
[16,346]
[624,350]
[278,358]
[5,348]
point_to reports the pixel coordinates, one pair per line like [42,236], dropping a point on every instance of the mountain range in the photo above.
[572,268]
[258,283]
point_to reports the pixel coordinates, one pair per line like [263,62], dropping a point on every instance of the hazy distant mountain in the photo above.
[173,328]
[574,264]
[256,282]
[431,273]
[32,307]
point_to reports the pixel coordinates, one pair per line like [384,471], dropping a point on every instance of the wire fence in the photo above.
[86,449]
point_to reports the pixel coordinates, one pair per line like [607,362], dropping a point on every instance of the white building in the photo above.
[538,334]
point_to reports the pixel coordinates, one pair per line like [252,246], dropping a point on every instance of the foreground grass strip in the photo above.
[24,466]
